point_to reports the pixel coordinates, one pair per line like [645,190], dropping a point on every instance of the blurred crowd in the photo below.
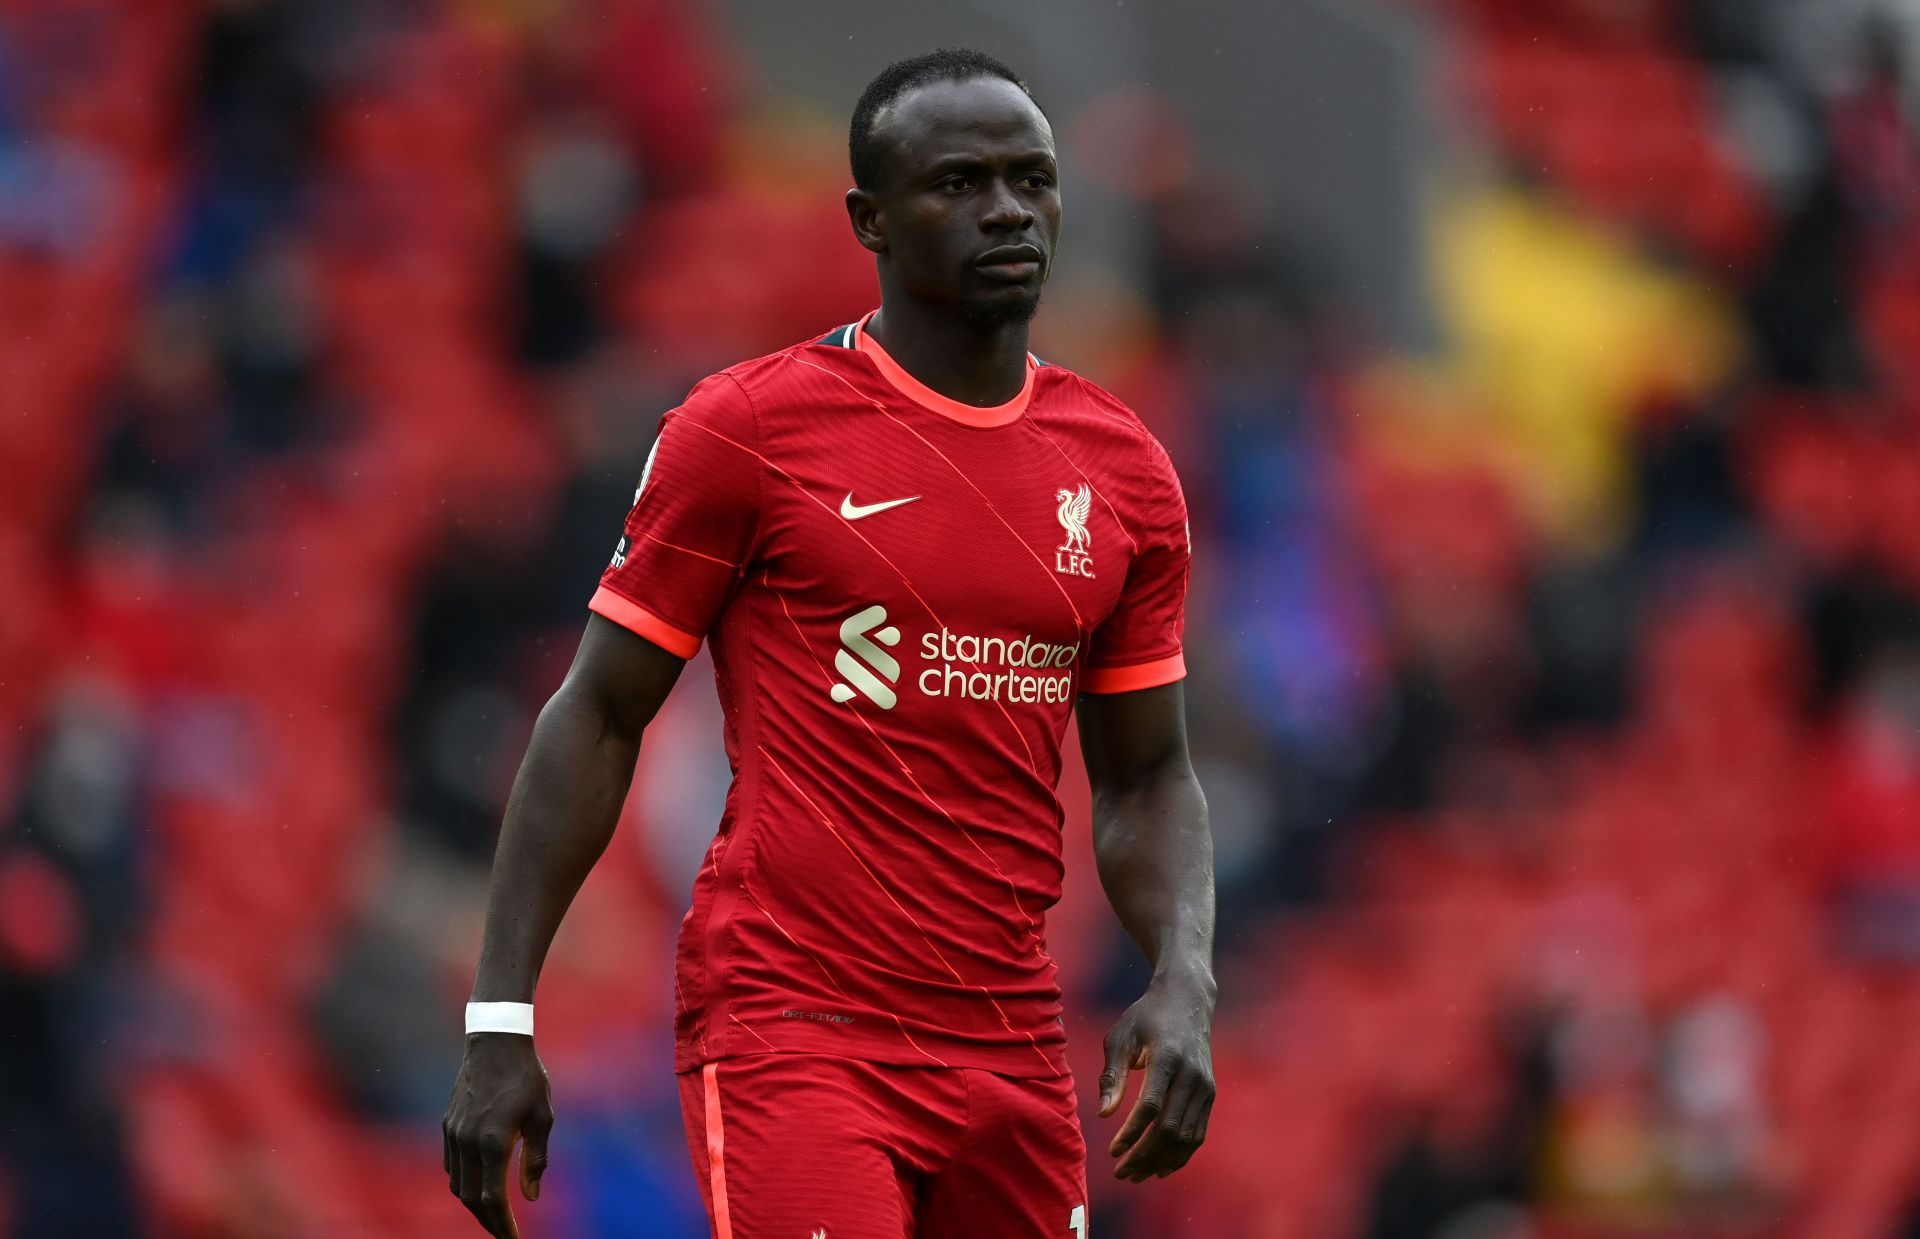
[1556,692]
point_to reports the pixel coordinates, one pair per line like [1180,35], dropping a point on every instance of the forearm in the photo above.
[1154,850]
[560,816]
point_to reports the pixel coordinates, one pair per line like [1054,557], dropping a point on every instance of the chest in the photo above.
[978,531]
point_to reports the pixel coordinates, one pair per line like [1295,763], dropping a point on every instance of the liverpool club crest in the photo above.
[1074,556]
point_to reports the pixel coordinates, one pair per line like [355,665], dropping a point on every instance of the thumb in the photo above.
[533,1152]
[1113,1079]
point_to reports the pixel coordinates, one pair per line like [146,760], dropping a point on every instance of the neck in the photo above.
[982,364]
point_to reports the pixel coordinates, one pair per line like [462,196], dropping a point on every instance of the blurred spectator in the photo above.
[1872,809]
[466,715]
[389,1052]
[1713,1080]
[71,902]
[171,447]
[577,189]
[1427,1188]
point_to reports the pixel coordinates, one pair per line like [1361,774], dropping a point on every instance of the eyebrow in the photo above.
[960,163]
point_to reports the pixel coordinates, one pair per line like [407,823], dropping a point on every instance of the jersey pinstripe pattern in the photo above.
[896,686]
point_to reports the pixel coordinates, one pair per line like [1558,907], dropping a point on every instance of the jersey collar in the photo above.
[924,396]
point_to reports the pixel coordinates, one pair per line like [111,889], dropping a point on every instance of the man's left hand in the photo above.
[1166,1034]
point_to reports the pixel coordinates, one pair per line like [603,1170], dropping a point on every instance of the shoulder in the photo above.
[1090,410]
[717,402]
[793,375]
[736,398]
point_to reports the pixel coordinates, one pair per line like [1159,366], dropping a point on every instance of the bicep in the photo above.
[1128,738]
[621,676]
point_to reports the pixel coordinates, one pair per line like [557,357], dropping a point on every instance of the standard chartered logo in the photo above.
[854,640]
[965,665]
[996,668]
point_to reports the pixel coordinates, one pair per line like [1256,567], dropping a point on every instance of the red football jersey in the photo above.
[904,595]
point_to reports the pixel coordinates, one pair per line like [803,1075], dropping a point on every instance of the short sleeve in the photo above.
[1139,645]
[689,534]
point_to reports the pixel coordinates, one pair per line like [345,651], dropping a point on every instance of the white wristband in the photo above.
[506,1017]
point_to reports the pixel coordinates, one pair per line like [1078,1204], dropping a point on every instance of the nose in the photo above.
[1006,211]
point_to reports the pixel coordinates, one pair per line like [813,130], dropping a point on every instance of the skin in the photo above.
[560,815]
[1154,850]
[969,168]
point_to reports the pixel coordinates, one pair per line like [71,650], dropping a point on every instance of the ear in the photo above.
[869,225]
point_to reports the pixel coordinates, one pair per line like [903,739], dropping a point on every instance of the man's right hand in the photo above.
[563,810]
[500,1097]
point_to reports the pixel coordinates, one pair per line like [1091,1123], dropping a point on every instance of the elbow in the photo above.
[583,711]
[1146,780]
[1168,804]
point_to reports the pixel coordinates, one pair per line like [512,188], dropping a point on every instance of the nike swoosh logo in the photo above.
[854,511]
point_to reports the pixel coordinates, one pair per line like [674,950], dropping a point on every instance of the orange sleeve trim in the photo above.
[630,615]
[1136,676]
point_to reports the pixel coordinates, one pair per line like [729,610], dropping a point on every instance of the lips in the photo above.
[1007,255]
[1014,264]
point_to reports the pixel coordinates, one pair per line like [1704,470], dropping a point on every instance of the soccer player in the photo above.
[914,548]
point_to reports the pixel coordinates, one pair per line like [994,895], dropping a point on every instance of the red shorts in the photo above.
[810,1146]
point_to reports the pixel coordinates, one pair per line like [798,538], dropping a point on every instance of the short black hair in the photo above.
[947,64]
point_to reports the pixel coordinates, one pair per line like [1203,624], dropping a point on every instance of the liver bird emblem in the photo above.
[1074,507]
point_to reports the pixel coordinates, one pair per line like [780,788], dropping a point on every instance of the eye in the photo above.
[955,184]
[1036,180]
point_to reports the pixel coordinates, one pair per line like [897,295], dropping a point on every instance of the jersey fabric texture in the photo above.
[811,1144]
[903,595]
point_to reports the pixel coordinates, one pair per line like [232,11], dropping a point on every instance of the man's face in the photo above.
[968,211]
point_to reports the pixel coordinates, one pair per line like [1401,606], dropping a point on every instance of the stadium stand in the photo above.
[1565,767]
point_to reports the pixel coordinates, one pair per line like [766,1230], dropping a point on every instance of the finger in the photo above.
[533,1152]
[1146,1108]
[1146,1157]
[1206,1116]
[496,1206]
[1174,1158]
[1113,1078]
[466,1165]
[1177,1125]
[1193,1132]
[454,1180]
